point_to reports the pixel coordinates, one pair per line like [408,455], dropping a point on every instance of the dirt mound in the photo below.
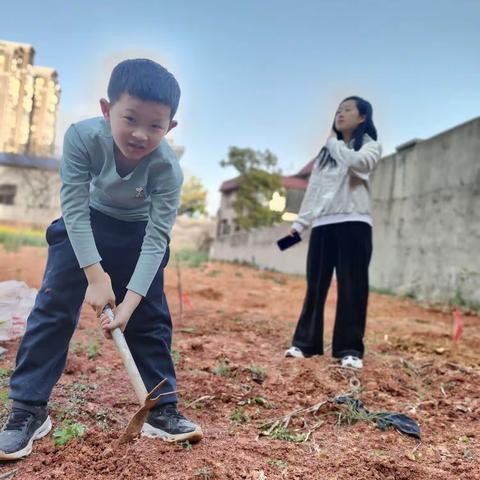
[233,378]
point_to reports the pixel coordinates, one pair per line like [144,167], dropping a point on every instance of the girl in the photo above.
[337,206]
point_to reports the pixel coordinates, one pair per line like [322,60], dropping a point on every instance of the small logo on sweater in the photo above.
[139,192]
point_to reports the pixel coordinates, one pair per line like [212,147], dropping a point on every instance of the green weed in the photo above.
[68,431]
[239,416]
[223,369]
[283,433]
[205,473]
[258,373]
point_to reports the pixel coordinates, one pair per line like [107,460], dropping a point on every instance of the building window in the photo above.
[7,194]
[224,227]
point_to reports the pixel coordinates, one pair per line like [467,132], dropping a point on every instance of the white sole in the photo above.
[152,432]
[349,365]
[293,354]
[39,433]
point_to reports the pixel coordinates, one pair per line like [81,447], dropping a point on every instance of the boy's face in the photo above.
[138,126]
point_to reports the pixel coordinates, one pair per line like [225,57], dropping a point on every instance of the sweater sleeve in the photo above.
[75,197]
[165,199]
[360,163]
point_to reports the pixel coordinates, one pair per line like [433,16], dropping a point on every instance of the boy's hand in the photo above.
[122,314]
[99,291]
[121,317]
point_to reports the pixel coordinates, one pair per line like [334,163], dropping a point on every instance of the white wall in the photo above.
[37,201]
[426,208]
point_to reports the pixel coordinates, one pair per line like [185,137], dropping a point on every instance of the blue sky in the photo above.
[265,73]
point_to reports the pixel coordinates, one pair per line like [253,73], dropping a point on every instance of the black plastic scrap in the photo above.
[401,422]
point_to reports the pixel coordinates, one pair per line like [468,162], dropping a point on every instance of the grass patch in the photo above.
[263,402]
[92,349]
[76,347]
[77,398]
[214,273]
[223,368]
[176,357]
[102,418]
[258,373]
[13,238]
[186,330]
[381,291]
[283,433]
[279,463]
[204,473]
[192,258]
[4,397]
[239,416]
[348,414]
[461,302]
[186,445]
[5,373]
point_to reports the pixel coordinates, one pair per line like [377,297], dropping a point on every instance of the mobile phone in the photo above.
[288,241]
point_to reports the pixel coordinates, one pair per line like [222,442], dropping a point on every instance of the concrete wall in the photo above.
[426,203]
[192,233]
[426,207]
[37,201]
[226,216]
[259,246]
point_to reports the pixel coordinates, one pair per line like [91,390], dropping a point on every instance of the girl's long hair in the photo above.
[366,127]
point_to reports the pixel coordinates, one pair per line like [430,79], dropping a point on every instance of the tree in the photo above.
[258,179]
[193,198]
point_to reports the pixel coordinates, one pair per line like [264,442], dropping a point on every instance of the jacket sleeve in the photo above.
[75,197]
[163,211]
[360,163]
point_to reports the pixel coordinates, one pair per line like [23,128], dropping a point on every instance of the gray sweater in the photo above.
[90,179]
[340,191]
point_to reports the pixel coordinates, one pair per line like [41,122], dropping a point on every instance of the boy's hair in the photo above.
[145,79]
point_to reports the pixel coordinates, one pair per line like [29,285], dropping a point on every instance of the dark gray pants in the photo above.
[43,351]
[347,249]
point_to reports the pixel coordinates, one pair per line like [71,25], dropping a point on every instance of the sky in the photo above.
[265,74]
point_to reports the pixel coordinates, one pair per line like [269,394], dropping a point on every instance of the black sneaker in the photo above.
[167,423]
[25,424]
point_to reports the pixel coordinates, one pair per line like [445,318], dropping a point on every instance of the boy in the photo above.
[120,192]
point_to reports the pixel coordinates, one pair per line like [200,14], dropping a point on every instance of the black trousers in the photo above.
[346,248]
[43,351]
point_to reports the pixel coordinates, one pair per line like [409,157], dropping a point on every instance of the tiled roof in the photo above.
[229,185]
[292,182]
[25,161]
[306,170]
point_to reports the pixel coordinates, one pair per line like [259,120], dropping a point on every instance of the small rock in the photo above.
[197,345]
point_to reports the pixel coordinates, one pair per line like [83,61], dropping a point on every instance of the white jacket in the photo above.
[340,189]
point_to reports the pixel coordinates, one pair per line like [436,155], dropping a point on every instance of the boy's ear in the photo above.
[105,106]
[172,125]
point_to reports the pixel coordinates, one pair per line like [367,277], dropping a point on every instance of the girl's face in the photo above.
[348,118]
